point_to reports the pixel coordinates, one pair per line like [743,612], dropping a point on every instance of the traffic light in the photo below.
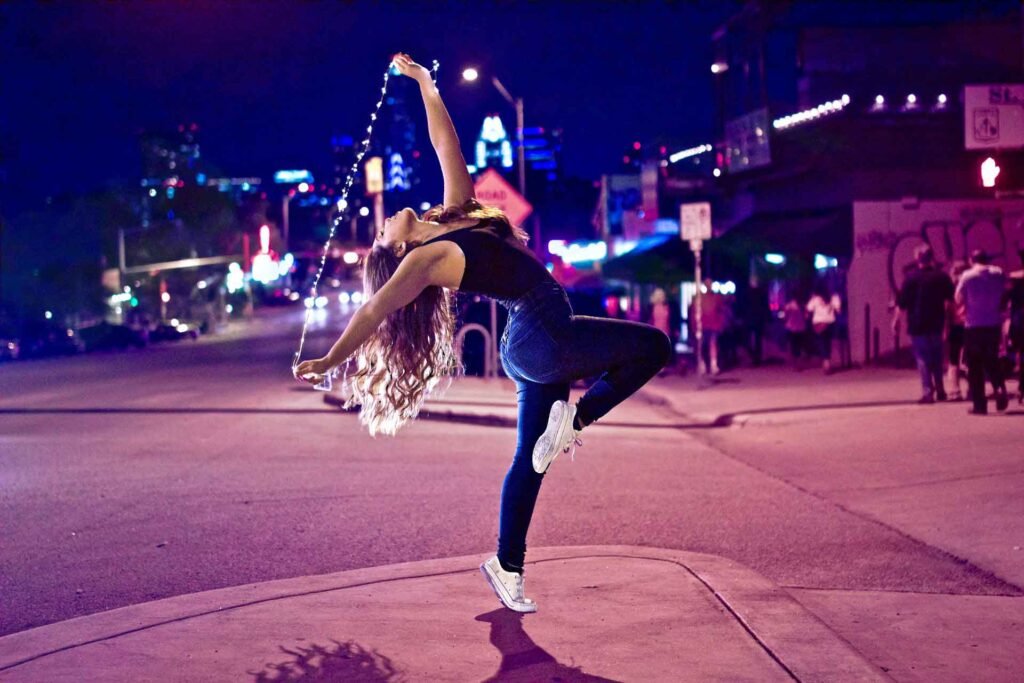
[989,172]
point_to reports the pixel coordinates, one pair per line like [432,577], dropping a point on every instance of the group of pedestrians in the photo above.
[810,326]
[964,311]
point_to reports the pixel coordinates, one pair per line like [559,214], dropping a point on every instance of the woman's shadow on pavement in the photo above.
[524,660]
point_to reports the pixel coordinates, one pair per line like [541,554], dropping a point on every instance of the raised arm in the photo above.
[458,186]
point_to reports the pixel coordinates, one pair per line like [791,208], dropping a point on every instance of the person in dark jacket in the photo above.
[925,297]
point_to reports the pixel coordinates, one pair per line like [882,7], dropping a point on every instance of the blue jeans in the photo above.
[545,348]
[928,354]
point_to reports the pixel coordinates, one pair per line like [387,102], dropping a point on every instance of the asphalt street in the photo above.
[180,468]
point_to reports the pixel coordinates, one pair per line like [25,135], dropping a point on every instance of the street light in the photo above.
[469,75]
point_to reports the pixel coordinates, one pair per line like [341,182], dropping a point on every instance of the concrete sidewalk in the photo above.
[612,613]
[693,402]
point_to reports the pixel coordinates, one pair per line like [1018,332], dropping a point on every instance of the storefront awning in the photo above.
[657,259]
[819,231]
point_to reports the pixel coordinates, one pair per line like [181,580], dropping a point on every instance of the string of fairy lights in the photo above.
[343,213]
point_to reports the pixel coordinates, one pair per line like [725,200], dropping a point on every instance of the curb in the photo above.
[803,646]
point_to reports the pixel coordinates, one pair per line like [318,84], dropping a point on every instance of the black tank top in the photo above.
[501,268]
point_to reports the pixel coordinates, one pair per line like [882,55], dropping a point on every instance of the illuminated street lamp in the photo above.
[469,75]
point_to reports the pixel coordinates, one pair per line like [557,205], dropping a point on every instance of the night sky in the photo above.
[270,83]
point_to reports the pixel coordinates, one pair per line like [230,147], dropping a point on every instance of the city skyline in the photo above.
[267,98]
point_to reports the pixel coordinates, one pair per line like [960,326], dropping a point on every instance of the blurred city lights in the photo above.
[303,187]
[344,297]
[357,297]
[165,297]
[775,259]
[424,206]
[235,279]
[811,114]
[717,172]
[822,262]
[470,74]
[48,315]
[265,239]
[719,67]
[690,152]
[364,211]
[351,257]
[578,252]
[264,269]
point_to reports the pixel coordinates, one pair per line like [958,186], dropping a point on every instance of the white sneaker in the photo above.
[557,438]
[508,586]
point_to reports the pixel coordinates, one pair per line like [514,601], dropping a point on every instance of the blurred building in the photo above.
[171,154]
[846,158]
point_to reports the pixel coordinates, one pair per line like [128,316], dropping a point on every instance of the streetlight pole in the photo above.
[517,103]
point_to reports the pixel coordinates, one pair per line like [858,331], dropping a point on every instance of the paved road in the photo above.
[136,476]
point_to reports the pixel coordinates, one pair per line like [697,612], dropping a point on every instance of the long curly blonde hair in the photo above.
[413,349]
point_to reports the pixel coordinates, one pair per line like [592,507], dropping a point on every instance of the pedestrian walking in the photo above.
[402,336]
[795,320]
[1016,331]
[661,318]
[925,299]
[756,315]
[824,307]
[955,336]
[714,319]
[981,292]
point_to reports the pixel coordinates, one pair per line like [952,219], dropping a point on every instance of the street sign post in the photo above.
[695,227]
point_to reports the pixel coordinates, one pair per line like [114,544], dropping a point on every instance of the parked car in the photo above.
[39,339]
[173,331]
[109,336]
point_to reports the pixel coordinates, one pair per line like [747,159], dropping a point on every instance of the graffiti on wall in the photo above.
[999,233]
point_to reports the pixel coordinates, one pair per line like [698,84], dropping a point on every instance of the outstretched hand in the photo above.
[311,371]
[407,67]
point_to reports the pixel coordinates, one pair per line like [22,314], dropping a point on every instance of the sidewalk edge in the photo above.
[801,643]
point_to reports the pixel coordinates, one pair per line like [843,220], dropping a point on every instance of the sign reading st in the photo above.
[994,116]
[493,190]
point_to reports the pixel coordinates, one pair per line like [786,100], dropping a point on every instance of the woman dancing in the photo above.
[402,336]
